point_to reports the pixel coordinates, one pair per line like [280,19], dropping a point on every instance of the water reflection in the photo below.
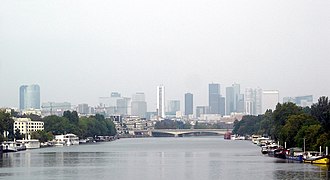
[169,158]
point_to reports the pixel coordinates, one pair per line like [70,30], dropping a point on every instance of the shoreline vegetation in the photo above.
[70,122]
[291,125]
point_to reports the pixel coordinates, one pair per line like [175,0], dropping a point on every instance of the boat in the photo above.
[255,138]
[12,146]
[294,154]
[66,139]
[264,149]
[314,157]
[30,144]
[227,135]
[271,149]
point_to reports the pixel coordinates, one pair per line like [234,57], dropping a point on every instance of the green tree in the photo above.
[42,136]
[280,116]
[18,134]
[289,132]
[321,110]
[6,125]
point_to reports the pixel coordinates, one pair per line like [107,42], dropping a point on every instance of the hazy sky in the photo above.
[79,50]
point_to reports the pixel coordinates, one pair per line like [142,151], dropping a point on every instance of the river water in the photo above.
[155,158]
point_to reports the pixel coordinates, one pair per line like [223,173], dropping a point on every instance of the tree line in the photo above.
[70,122]
[291,124]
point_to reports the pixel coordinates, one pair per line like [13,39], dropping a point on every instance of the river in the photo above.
[155,158]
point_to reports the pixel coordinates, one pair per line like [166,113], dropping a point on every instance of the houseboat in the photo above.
[30,144]
[66,139]
[12,146]
[294,154]
[315,157]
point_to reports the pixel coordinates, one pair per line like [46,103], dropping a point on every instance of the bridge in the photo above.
[188,132]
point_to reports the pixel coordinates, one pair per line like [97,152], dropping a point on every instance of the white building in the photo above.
[270,98]
[26,126]
[161,101]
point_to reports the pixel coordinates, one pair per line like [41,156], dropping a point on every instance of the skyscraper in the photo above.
[234,99]
[249,101]
[161,101]
[214,98]
[139,105]
[258,101]
[188,104]
[29,97]
[229,100]
[253,101]
[173,107]
[270,99]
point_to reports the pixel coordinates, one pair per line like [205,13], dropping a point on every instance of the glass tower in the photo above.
[29,97]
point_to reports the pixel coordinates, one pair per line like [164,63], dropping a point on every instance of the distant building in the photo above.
[173,107]
[55,108]
[258,101]
[161,101]
[29,97]
[188,104]
[201,110]
[26,126]
[139,105]
[214,98]
[229,100]
[249,101]
[115,104]
[123,106]
[270,98]
[302,101]
[83,109]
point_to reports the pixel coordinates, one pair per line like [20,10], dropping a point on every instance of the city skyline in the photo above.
[77,56]
[252,102]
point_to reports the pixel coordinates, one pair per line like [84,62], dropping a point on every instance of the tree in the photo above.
[6,125]
[42,136]
[280,116]
[321,111]
[71,116]
[18,134]
[294,124]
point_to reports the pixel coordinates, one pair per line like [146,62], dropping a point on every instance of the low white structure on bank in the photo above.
[30,144]
[66,139]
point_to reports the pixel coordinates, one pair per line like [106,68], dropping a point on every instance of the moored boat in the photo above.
[227,135]
[31,143]
[12,146]
[314,157]
[294,154]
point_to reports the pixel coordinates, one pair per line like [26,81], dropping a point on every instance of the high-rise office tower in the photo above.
[161,101]
[222,105]
[29,97]
[253,101]
[83,109]
[123,106]
[258,101]
[139,105]
[214,98]
[188,104]
[229,100]
[233,99]
[249,101]
[270,99]
[173,106]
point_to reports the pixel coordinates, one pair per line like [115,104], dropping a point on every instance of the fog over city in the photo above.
[78,51]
